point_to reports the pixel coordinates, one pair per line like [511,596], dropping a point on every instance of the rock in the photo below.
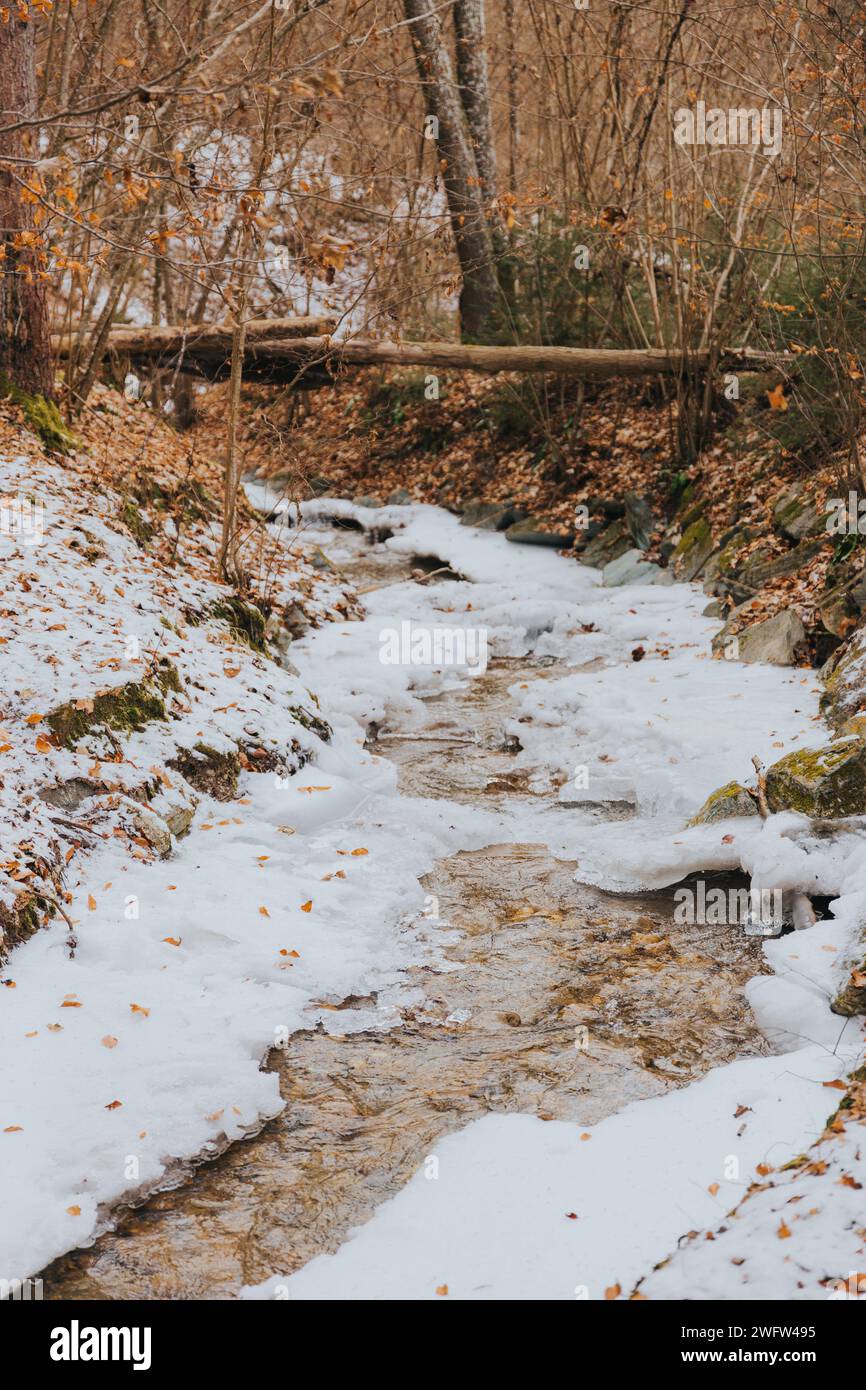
[488,516]
[693,551]
[639,519]
[632,568]
[318,486]
[176,810]
[844,678]
[613,541]
[279,640]
[773,641]
[366,499]
[843,601]
[762,565]
[400,497]
[730,800]
[532,531]
[68,796]
[821,782]
[713,610]
[795,515]
[152,827]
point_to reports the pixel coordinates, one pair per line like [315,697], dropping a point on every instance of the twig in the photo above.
[759,796]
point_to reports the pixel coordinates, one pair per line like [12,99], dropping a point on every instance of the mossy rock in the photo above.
[127,709]
[693,551]
[211,772]
[730,800]
[42,416]
[723,562]
[140,529]
[795,515]
[245,620]
[608,545]
[844,678]
[821,782]
[17,924]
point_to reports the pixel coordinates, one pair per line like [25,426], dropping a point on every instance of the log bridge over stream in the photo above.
[303,353]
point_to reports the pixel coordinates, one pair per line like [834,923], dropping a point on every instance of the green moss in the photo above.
[246,621]
[128,708]
[826,782]
[730,800]
[42,416]
[141,530]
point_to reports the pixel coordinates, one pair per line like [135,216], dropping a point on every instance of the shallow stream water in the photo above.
[560,1001]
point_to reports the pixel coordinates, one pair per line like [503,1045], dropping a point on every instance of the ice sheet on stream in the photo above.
[664,732]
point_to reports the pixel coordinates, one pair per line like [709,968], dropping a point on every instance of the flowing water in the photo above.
[559,1001]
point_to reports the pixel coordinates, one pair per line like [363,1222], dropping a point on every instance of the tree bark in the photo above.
[25,356]
[460,175]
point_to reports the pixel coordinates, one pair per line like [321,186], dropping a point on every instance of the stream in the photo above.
[559,1000]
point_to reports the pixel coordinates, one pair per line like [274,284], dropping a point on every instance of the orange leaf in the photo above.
[172,940]
[442,1290]
[109,1041]
[263,912]
[114,1105]
[91,902]
[140,1009]
[613,1292]
[74,1211]
[360,851]
[42,744]
[783,1232]
[34,719]
[13,1129]
[776,397]
[307,907]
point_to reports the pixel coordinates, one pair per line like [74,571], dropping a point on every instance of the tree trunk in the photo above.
[471,50]
[479,292]
[25,356]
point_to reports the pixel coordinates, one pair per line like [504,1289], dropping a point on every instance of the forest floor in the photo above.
[205,815]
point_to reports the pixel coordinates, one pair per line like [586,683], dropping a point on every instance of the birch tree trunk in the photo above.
[461,178]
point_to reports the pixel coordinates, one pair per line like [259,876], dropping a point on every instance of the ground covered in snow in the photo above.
[233,855]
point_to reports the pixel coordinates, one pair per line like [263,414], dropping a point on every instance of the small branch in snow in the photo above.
[759,795]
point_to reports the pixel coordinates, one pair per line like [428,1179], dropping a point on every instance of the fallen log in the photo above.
[208,342]
[279,349]
[281,360]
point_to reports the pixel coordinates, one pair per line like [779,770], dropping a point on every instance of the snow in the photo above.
[184,972]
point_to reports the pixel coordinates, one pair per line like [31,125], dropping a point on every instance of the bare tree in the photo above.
[460,174]
[24,339]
